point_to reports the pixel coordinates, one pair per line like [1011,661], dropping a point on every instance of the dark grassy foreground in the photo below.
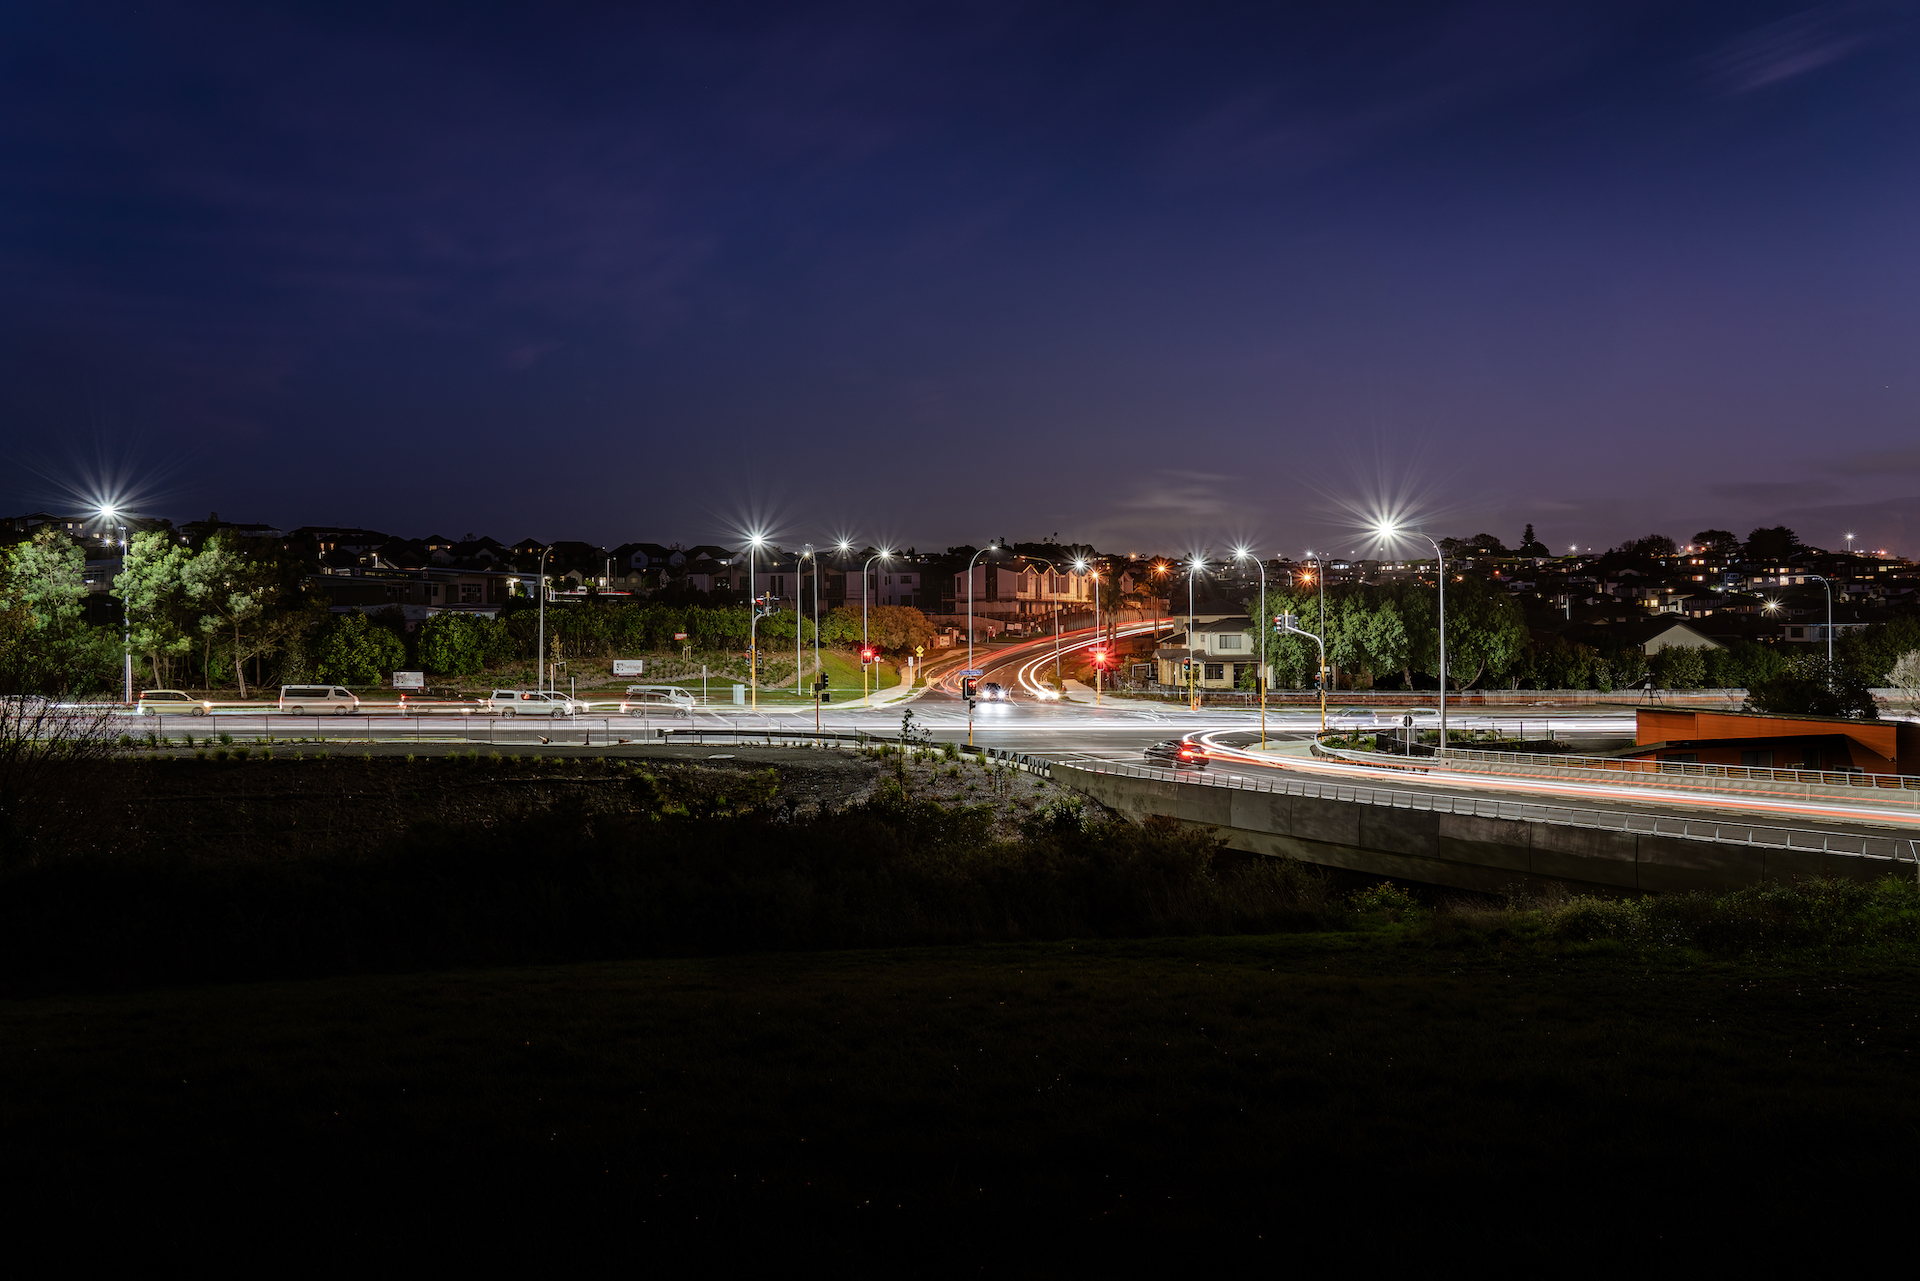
[608,1030]
[1347,1100]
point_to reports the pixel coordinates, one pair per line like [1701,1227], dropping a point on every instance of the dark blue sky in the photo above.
[1150,276]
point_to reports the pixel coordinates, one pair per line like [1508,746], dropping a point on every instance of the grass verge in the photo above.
[1314,1100]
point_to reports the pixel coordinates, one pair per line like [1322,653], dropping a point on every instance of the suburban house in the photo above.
[1656,634]
[419,593]
[1223,646]
[1013,590]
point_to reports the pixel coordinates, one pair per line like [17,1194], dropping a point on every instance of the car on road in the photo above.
[169,702]
[1181,753]
[533,702]
[994,692]
[656,700]
[317,700]
[432,701]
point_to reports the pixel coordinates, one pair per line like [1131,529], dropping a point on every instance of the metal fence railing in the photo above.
[1853,844]
[1615,770]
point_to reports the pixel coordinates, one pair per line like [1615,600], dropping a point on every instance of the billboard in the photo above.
[629,667]
[409,680]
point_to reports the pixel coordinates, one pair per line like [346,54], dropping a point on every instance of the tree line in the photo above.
[234,614]
[1388,634]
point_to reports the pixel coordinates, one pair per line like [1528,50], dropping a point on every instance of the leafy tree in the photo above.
[1387,642]
[1742,665]
[1811,686]
[1775,544]
[48,575]
[152,583]
[1718,541]
[237,592]
[1650,546]
[1679,667]
[1291,657]
[896,628]
[454,644]
[1874,650]
[353,650]
[1531,546]
[841,627]
[1485,632]
[1905,677]
[49,648]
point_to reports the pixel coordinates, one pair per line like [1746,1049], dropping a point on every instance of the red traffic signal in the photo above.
[1099,658]
[868,653]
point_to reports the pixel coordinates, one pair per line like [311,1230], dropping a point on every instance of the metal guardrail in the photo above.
[1612,765]
[1850,844]
[1646,771]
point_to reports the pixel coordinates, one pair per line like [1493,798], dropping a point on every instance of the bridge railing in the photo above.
[1852,844]
[1714,777]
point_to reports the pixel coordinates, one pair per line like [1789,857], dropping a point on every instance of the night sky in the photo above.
[1150,276]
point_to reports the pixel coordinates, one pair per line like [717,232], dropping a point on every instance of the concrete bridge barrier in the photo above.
[1481,843]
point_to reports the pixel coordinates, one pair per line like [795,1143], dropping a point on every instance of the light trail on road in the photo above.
[1533,786]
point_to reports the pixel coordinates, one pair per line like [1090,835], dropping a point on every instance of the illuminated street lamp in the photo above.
[112,518]
[1195,564]
[753,625]
[1387,532]
[990,547]
[1260,673]
[880,555]
[1081,565]
[806,555]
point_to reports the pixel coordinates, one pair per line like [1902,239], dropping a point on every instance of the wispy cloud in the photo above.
[1791,47]
[1903,461]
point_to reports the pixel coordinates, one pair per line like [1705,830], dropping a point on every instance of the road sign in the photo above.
[629,667]
[971,671]
[409,680]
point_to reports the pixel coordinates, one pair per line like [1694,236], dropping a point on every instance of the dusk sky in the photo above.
[1148,276]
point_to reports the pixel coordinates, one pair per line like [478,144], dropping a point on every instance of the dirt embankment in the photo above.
[304,803]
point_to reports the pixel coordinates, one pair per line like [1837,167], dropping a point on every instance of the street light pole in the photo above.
[753,627]
[1440,561]
[126,612]
[880,555]
[1095,578]
[796,614]
[540,641]
[1193,688]
[990,547]
[817,669]
[1261,673]
[1827,583]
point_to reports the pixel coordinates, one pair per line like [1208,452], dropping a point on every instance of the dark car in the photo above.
[993,692]
[1179,753]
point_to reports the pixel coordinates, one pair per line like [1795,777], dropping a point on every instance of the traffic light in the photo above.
[1100,658]
[868,653]
[967,687]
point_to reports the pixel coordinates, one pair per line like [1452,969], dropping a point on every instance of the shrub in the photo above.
[1385,900]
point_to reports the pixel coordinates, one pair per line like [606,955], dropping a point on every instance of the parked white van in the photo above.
[532,702]
[317,700]
[656,700]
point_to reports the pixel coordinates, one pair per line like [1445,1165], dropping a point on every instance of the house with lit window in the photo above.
[1222,647]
